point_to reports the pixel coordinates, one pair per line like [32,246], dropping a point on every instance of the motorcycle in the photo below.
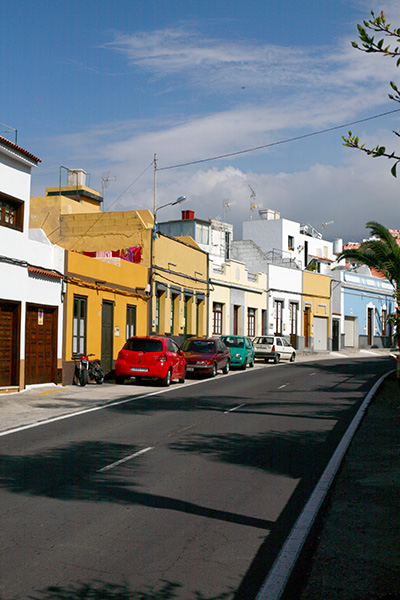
[88,370]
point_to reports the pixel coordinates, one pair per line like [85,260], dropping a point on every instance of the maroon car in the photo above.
[206,355]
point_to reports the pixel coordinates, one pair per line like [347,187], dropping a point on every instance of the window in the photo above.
[11,212]
[217,318]
[130,321]
[251,322]
[278,317]
[290,242]
[174,313]
[79,325]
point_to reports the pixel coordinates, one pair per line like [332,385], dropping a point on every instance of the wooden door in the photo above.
[9,343]
[307,314]
[107,336]
[41,344]
[293,324]
[370,326]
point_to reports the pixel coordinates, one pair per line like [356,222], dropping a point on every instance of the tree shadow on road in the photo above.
[108,591]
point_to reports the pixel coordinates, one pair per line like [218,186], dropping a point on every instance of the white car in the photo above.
[272,347]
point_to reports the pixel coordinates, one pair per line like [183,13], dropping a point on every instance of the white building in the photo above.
[31,282]
[288,240]
[213,236]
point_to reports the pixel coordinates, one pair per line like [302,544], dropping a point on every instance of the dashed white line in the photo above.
[123,460]
[283,386]
[234,408]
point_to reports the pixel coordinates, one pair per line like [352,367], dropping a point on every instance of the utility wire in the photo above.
[292,139]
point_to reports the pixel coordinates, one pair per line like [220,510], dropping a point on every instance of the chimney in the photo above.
[187,214]
[76,178]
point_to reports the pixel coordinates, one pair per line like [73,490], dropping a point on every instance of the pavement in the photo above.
[353,550]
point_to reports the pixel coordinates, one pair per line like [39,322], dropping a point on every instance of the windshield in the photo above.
[264,340]
[203,346]
[233,342]
[143,345]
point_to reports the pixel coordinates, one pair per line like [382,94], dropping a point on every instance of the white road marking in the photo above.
[123,460]
[338,354]
[283,386]
[370,352]
[275,583]
[311,374]
[234,408]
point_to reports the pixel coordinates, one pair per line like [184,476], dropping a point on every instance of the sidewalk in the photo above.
[357,556]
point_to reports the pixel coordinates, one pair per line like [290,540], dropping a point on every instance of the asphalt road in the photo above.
[193,489]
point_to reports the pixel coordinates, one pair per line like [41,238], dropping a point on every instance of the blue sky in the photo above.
[104,86]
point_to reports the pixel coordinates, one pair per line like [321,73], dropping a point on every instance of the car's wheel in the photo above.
[276,358]
[119,379]
[225,370]
[166,381]
[244,365]
[293,357]
[251,365]
[214,370]
[182,379]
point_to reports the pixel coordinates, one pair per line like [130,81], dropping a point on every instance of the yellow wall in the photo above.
[235,276]
[317,295]
[98,280]
[179,267]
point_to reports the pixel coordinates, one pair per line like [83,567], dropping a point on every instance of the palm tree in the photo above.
[381,253]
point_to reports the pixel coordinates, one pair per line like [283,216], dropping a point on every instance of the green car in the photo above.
[241,349]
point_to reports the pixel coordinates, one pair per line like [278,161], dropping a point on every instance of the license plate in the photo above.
[139,369]
[189,368]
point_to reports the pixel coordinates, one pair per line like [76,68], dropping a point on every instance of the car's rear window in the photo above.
[233,342]
[206,347]
[140,344]
[264,340]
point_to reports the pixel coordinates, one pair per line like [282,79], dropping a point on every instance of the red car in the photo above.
[150,357]
[206,355]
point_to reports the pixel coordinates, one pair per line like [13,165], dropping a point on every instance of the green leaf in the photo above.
[393,170]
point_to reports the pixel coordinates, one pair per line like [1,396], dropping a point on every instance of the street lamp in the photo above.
[177,201]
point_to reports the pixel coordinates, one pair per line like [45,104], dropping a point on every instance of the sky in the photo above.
[105,86]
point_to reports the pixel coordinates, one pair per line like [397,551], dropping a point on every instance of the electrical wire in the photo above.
[270,145]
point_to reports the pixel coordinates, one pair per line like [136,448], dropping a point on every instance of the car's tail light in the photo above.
[162,357]
[273,348]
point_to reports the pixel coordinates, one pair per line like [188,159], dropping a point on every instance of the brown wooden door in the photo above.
[107,336]
[370,326]
[41,344]
[307,312]
[293,324]
[9,343]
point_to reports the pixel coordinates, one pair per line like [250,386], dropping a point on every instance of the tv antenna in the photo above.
[105,182]
[226,205]
[253,206]
[324,225]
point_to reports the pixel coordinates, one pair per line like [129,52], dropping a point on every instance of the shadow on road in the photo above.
[108,591]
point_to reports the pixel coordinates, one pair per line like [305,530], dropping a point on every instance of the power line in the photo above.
[292,139]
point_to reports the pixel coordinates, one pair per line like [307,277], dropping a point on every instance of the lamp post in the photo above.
[152,240]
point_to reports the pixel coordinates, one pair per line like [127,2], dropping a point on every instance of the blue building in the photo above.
[361,306]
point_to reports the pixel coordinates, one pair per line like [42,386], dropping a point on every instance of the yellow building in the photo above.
[316,310]
[176,287]
[238,300]
[104,303]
